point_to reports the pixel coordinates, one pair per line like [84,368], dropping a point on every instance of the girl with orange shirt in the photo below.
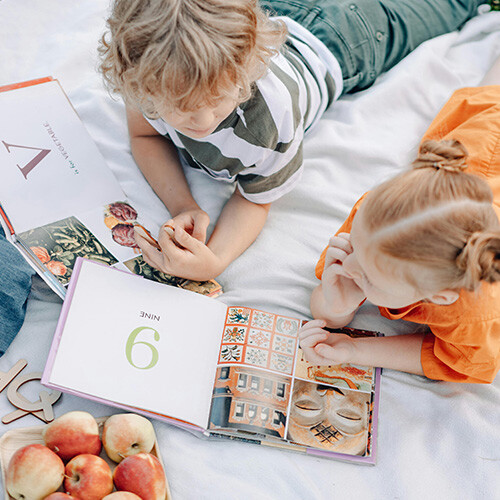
[424,247]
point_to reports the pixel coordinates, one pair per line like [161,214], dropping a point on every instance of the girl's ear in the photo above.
[444,297]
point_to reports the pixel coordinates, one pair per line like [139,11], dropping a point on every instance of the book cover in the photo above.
[224,371]
[58,198]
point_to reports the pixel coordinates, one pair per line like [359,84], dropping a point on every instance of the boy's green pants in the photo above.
[369,37]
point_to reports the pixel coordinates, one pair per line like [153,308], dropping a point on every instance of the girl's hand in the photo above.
[340,291]
[194,221]
[321,347]
[181,255]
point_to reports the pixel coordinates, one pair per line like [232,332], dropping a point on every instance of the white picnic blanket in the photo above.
[436,440]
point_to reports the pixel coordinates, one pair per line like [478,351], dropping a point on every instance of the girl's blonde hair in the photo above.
[188,53]
[438,217]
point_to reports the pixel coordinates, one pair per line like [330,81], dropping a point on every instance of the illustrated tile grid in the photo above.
[234,334]
[259,338]
[287,326]
[230,353]
[264,320]
[281,363]
[238,315]
[284,344]
[256,357]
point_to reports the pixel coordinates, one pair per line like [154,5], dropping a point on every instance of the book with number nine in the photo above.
[218,370]
[58,198]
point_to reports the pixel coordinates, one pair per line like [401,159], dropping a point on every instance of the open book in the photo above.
[222,371]
[58,198]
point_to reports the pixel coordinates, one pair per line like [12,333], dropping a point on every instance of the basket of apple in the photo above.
[77,456]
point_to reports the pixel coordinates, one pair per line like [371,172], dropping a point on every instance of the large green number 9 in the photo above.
[131,343]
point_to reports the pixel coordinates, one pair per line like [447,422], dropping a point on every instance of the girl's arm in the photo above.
[399,352]
[337,298]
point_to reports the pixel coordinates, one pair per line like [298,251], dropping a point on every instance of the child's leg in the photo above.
[371,36]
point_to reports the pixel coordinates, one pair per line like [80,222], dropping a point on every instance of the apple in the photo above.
[73,433]
[59,495]
[143,475]
[88,476]
[33,472]
[122,495]
[126,434]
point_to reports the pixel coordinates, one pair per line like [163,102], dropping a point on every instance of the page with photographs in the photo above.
[265,390]
[59,200]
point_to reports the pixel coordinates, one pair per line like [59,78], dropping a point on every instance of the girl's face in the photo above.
[381,277]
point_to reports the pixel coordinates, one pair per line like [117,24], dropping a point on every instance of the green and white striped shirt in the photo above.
[259,145]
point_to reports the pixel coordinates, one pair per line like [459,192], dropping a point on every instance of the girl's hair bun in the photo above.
[449,155]
[480,257]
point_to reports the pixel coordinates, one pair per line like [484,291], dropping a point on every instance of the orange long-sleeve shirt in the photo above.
[464,345]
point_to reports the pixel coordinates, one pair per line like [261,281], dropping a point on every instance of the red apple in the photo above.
[73,433]
[33,472]
[143,475]
[126,434]
[122,495]
[89,477]
[59,495]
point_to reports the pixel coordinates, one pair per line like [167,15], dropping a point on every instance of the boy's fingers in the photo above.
[186,240]
[153,257]
[169,247]
[200,230]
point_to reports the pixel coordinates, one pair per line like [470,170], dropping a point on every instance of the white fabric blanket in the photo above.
[436,440]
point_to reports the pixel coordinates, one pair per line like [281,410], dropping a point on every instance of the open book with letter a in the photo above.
[222,371]
[58,198]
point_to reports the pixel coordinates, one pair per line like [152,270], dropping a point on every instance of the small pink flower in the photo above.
[123,234]
[122,211]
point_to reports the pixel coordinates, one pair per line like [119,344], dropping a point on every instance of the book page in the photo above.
[51,168]
[265,389]
[139,343]
[60,197]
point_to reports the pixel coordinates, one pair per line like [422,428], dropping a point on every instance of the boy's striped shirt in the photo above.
[259,145]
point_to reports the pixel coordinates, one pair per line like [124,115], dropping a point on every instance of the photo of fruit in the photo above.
[58,244]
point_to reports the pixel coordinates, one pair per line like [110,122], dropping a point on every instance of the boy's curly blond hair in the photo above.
[188,53]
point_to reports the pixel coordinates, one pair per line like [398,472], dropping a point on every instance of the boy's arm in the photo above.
[183,255]
[239,224]
[159,162]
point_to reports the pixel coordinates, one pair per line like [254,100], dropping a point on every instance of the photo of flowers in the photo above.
[58,244]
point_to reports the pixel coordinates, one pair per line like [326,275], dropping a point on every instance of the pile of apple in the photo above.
[37,471]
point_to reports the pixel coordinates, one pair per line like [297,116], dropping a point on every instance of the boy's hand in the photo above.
[324,348]
[194,221]
[181,255]
[340,291]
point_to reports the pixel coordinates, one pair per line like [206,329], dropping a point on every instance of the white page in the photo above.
[105,310]
[71,177]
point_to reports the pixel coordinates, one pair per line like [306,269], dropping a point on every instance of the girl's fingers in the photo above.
[313,339]
[326,351]
[315,323]
[343,241]
[334,255]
